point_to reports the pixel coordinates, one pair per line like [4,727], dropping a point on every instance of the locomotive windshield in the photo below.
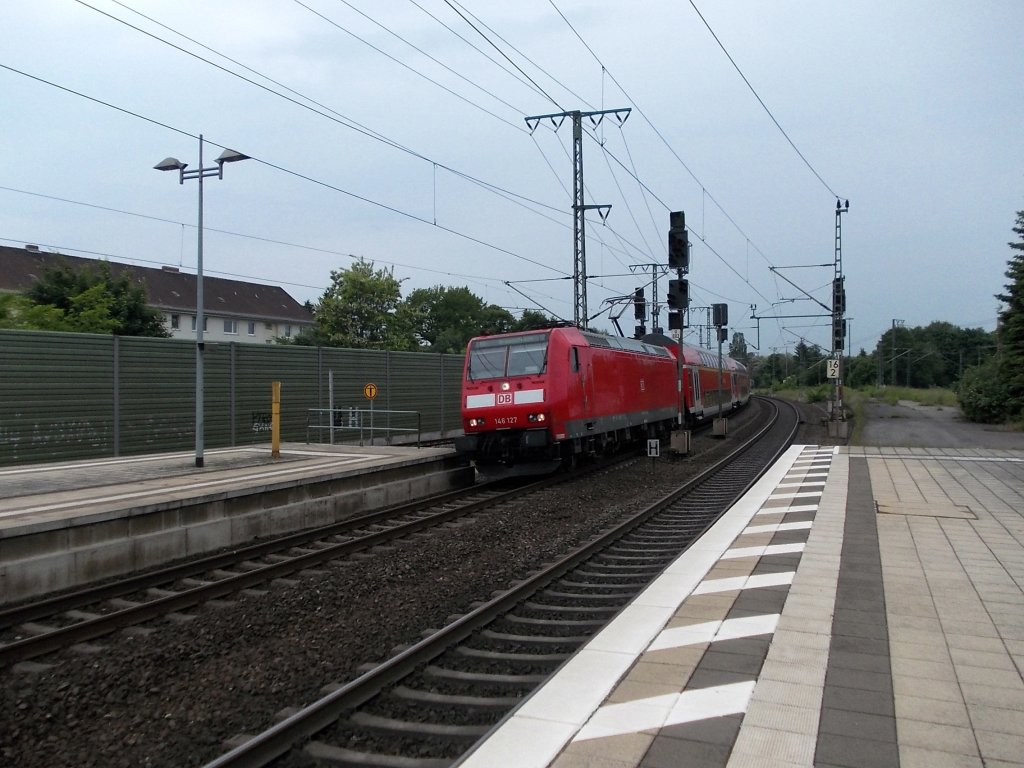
[503,356]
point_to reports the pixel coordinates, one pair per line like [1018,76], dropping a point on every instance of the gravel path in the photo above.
[171,697]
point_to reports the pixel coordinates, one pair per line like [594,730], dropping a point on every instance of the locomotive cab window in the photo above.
[508,356]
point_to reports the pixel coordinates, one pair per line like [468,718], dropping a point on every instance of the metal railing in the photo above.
[350,421]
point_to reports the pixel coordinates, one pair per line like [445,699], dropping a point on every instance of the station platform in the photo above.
[72,523]
[860,607]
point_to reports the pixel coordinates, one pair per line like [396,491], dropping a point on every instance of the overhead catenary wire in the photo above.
[347,121]
[280,168]
[480,279]
[705,193]
[761,102]
[412,69]
[298,100]
[612,235]
[512,73]
[344,120]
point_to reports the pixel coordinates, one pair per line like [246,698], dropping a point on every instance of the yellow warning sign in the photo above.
[370,391]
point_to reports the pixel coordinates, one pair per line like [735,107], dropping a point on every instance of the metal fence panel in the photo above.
[56,396]
[156,395]
[416,386]
[256,367]
[67,396]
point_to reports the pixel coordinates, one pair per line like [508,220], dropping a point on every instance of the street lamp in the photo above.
[174,164]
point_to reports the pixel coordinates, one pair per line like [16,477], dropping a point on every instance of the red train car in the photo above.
[708,389]
[535,400]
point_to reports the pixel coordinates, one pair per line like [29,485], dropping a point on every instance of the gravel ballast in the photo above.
[171,697]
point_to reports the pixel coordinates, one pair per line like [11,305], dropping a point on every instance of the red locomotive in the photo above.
[533,401]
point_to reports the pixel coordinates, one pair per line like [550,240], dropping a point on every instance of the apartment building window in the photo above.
[252,327]
[206,323]
[288,331]
[175,322]
[231,326]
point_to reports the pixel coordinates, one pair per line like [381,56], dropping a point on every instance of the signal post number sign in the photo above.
[370,391]
[832,369]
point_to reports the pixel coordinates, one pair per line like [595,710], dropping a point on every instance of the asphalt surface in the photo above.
[912,425]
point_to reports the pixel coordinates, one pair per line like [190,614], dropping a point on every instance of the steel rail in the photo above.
[280,738]
[90,629]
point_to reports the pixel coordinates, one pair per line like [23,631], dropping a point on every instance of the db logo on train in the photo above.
[504,398]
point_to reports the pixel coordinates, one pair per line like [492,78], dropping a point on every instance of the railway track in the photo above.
[74,619]
[42,627]
[429,703]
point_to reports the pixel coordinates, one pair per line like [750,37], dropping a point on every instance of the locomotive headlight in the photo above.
[505,386]
[476,422]
[536,417]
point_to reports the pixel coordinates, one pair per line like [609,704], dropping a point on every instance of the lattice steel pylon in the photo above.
[838,311]
[579,208]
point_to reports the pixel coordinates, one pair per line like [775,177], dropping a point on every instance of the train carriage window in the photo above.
[500,356]
[487,363]
[525,360]
[574,359]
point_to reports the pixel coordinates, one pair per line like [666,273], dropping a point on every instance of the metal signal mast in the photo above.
[579,269]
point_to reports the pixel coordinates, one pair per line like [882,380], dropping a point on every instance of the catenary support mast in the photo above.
[579,208]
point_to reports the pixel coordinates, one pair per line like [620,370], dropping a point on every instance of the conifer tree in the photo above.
[1011,325]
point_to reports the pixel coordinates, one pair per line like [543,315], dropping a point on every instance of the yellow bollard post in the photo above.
[275,420]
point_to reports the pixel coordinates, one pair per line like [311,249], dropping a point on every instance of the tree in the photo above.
[1011,326]
[87,300]
[532,320]
[446,318]
[810,369]
[361,310]
[982,393]
[738,349]
[861,371]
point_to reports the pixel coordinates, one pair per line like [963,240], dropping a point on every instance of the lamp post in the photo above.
[174,164]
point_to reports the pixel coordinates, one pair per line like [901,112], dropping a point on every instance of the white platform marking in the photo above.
[803,525]
[765,549]
[710,631]
[670,709]
[710,586]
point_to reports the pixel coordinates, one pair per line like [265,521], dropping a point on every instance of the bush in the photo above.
[821,393]
[983,395]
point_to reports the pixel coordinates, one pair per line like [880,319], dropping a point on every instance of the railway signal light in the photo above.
[678,294]
[678,242]
[723,335]
[679,250]
[839,296]
[720,313]
[838,333]
[639,305]
[675,321]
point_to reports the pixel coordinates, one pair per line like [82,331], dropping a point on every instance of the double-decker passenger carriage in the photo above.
[709,390]
[535,400]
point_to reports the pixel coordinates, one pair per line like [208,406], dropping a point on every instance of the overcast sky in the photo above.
[393,130]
